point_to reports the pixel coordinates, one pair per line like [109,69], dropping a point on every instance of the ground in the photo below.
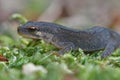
[74,65]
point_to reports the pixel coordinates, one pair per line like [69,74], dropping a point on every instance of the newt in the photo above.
[65,39]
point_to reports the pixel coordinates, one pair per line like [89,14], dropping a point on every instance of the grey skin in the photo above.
[64,38]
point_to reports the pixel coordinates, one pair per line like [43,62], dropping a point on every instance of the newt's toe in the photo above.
[104,55]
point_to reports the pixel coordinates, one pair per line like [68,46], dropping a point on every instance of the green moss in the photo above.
[76,63]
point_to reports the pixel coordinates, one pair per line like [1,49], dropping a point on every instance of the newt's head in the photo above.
[38,30]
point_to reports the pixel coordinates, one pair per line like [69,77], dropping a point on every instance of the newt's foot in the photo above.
[104,55]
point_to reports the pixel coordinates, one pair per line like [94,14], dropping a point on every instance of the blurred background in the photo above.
[72,13]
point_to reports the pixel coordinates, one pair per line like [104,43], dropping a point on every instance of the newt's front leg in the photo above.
[65,47]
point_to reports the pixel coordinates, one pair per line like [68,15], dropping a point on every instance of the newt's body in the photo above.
[65,39]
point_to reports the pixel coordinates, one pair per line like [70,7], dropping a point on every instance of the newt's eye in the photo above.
[32,28]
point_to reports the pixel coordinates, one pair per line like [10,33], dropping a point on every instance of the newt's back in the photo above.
[92,39]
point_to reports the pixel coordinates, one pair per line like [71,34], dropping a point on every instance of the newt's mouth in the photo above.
[25,33]
[28,35]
